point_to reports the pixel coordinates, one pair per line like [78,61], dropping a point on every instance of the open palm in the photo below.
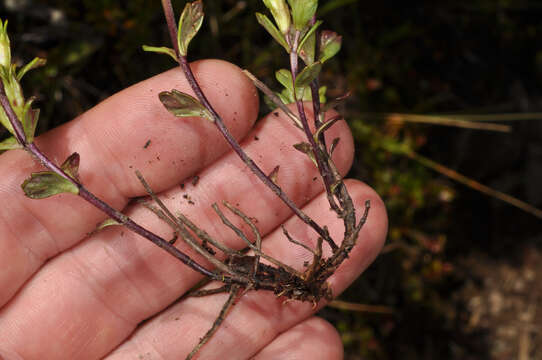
[67,292]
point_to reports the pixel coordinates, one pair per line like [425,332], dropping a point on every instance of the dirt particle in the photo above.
[256,138]
[195,180]
[147,144]
[182,186]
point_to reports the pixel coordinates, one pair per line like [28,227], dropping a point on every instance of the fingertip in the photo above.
[314,338]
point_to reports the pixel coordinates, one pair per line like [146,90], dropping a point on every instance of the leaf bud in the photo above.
[280,13]
[5,52]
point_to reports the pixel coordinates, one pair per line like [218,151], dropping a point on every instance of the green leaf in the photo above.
[285,78]
[34,64]
[161,50]
[5,50]
[5,121]
[325,126]
[189,24]
[302,12]
[9,144]
[309,73]
[107,223]
[330,44]
[30,119]
[45,184]
[285,98]
[322,94]
[71,166]
[308,44]
[183,105]
[272,30]
[280,13]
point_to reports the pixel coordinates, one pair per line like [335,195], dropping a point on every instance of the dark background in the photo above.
[460,269]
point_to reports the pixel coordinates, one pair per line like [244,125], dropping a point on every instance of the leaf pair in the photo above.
[189,25]
[44,184]
[10,77]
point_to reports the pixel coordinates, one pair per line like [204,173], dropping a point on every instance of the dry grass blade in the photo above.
[377,309]
[473,184]
[496,117]
[460,122]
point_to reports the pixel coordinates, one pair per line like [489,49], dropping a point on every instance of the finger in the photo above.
[259,316]
[111,140]
[314,339]
[116,279]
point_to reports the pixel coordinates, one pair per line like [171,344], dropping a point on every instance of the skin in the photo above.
[69,295]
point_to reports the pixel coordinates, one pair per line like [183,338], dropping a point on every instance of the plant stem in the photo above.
[241,153]
[91,198]
[171,24]
[323,166]
[183,62]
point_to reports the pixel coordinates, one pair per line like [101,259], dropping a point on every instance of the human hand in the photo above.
[66,295]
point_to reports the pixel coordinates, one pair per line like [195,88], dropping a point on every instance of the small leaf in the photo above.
[161,50]
[272,30]
[45,184]
[280,13]
[189,24]
[302,12]
[5,50]
[334,145]
[30,117]
[285,78]
[285,98]
[330,44]
[337,101]
[307,46]
[34,64]
[71,166]
[322,94]
[273,175]
[9,144]
[107,223]
[183,105]
[325,126]
[306,149]
[309,73]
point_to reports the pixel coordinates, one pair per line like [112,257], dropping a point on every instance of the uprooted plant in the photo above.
[298,32]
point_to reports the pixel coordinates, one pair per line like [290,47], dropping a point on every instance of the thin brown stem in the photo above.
[33,149]
[241,153]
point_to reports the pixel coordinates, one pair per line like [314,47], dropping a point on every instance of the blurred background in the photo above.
[446,109]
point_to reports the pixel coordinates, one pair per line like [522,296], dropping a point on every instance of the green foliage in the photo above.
[11,78]
[302,12]
[183,105]
[161,50]
[44,184]
[272,30]
[280,13]
[189,24]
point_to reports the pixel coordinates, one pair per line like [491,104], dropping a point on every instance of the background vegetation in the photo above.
[454,258]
